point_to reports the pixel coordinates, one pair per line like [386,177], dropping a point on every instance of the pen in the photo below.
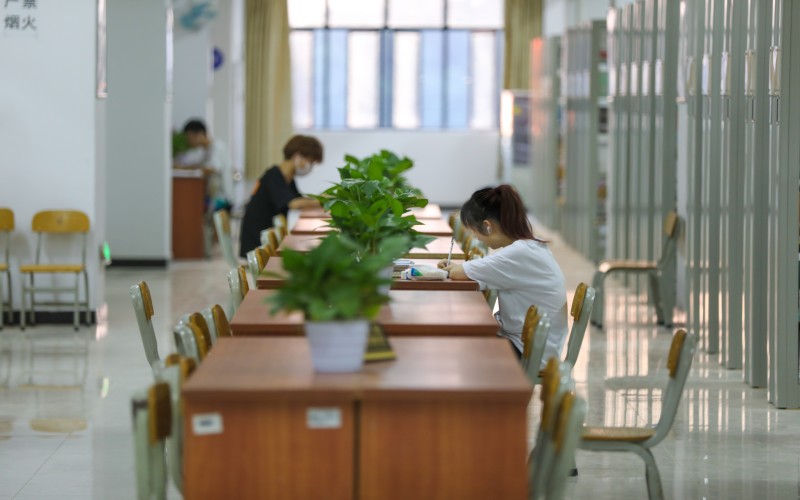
[450,253]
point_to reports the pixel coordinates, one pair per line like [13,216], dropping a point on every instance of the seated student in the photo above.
[522,270]
[276,192]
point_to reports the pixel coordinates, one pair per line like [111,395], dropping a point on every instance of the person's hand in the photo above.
[442,264]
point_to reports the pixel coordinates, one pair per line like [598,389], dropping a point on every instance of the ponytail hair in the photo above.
[502,205]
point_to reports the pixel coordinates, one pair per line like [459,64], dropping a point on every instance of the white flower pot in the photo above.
[337,346]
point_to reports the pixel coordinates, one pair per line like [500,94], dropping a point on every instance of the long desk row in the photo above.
[446,419]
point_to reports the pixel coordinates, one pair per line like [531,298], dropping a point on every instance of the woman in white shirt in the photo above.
[522,269]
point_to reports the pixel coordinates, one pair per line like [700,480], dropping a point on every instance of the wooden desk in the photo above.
[431,211]
[447,419]
[431,227]
[188,214]
[437,249]
[266,281]
[411,313]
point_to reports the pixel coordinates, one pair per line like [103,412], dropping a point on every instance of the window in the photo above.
[404,64]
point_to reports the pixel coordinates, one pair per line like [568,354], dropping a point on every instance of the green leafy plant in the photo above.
[335,282]
[368,212]
[385,166]
[180,144]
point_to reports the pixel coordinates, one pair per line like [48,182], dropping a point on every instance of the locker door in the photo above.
[732,176]
[755,195]
[784,71]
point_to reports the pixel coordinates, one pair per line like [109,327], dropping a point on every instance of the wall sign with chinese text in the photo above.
[19,17]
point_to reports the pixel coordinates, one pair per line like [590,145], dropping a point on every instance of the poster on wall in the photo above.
[19,17]
[102,85]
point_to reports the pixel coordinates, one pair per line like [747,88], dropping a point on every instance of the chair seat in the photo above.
[629,434]
[51,268]
[626,265]
[3,267]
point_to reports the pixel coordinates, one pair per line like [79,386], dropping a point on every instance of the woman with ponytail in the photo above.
[522,269]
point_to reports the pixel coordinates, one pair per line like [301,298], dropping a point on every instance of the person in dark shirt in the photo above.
[276,192]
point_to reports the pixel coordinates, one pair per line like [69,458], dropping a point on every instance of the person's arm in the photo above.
[302,202]
[455,271]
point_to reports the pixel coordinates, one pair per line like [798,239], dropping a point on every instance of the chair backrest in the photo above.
[252,264]
[190,341]
[270,250]
[152,424]
[271,236]
[679,362]
[262,257]
[534,337]
[279,221]
[566,437]
[60,222]
[175,375]
[208,315]
[200,322]
[143,308]
[6,226]
[237,281]
[221,321]
[556,380]
[222,224]
[672,229]
[582,304]
[475,253]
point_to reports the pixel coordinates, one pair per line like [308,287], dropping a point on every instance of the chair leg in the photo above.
[599,304]
[652,476]
[10,302]
[87,313]
[22,310]
[655,296]
[75,304]
[32,309]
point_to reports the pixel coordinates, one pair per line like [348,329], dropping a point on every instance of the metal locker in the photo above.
[755,191]
[708,264]
[545,130]
[784,71]
[664,90]
[732,112]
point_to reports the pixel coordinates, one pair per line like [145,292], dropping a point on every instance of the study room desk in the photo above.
[447,419]
[410,313]
[430,227]
[437,249]
[430,211]
[269,281]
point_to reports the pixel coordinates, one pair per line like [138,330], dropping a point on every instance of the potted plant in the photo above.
[336,288]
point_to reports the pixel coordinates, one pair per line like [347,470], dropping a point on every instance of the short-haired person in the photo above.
[276,192]
[522,269]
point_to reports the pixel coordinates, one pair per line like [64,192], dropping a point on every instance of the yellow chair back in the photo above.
[6,219]
[60,221]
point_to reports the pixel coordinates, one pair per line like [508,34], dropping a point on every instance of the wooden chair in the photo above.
[197,319]
[281,227]
[143,309]
[6,226]
[51,223]
[476,253]
[190,341]
[175,374]
[581,312]
[640,440]
[257,259]
[152,425]
[568,427]
[237,281]
[270,237]
[222,224]
[556,381]
[217,322]
[534,337]
[653,270]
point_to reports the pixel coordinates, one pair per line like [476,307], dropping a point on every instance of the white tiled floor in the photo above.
[63,436]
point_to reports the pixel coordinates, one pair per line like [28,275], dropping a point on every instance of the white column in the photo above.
[192,75]
[138,131]
[49,127]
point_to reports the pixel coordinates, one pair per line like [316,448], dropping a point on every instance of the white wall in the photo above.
[49,133]
[139,141]
[192,75]
[448,166]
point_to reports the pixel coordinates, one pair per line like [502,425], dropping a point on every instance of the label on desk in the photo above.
[205,424]
[324,418]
